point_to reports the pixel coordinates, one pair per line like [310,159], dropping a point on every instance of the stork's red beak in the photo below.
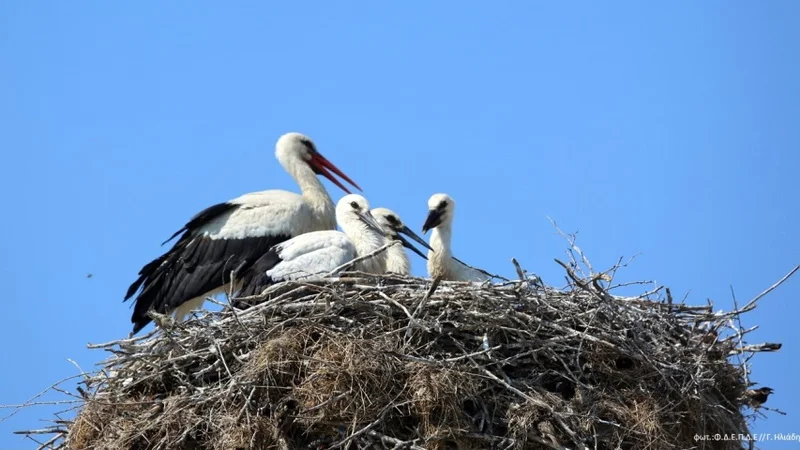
[322,165]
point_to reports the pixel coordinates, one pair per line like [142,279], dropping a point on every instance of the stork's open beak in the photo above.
[369,219]
[433,220]
[321,166]
[407,231]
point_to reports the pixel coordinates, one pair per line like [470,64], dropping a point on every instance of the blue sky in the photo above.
[666,130]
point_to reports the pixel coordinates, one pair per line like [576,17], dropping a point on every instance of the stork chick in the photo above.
[397,260]
[441,262]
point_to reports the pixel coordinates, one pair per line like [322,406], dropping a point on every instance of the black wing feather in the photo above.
[149,270]
[254,279]
[203,217]
[195,265]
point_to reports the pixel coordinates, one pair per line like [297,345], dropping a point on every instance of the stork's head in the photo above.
[296,148]
[441,208]
[352,209]
[393,227]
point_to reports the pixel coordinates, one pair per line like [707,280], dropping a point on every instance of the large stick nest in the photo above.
[398,362]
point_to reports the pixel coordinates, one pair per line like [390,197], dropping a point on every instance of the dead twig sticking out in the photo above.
[357,260]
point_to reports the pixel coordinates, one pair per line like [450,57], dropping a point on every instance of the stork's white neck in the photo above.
[313,191]
[397,260]
[366,241]
[439,260]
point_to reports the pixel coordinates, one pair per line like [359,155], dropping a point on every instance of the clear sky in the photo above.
[669,130]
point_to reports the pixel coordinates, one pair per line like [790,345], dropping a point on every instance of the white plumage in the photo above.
[310,255]
[233,235]
[315,254]
[441,262]
[397,260]
[267,213]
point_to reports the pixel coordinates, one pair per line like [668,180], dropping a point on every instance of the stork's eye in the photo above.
[354,205]
[393,220]
[443,204]
[309,145]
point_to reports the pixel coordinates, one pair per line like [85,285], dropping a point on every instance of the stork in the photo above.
[315,254]
[441,262]
[233,235]
[396,258]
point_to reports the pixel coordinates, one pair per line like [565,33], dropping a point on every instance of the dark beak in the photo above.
[407,231]
[369,219]
[433,220]
[321,166]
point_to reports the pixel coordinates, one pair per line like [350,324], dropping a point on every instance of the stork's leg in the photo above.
[183,311]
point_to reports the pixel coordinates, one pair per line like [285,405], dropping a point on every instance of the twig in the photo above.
[597,290]
[32,402]
[362,258]
[740,336]
[765,347]
[422,303]
[752,303]
[490,275]
[398,444]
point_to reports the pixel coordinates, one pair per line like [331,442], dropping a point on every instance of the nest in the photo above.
[391,362]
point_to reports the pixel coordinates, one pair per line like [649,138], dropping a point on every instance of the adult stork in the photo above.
[233,235]
[397,260]
[441,262]
[313,255]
